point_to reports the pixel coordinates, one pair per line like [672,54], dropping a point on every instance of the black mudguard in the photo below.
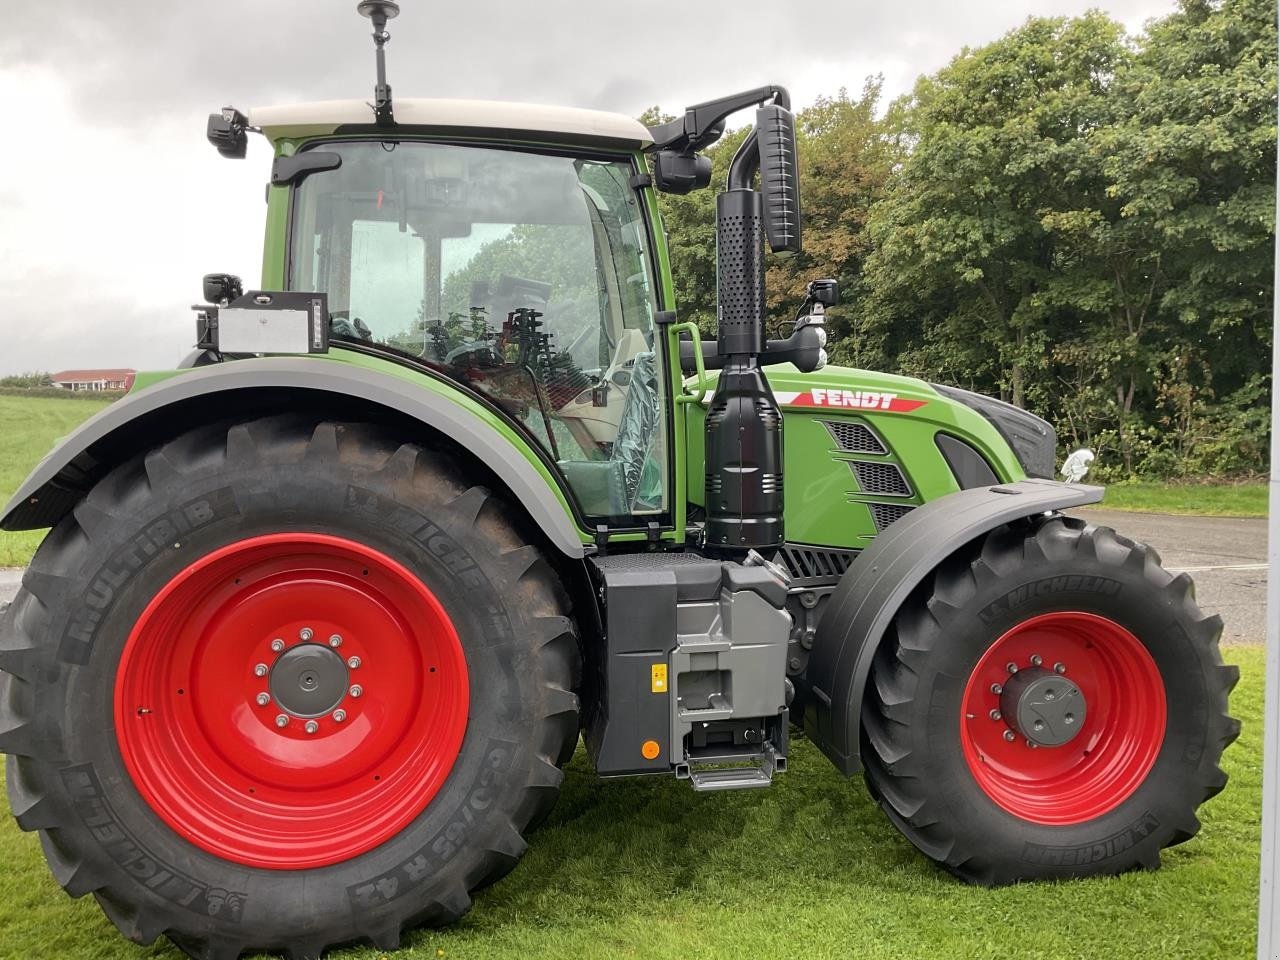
[158,412]
[880,579]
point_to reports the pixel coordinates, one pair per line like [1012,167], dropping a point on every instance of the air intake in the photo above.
[886,513]
[885,479]
[854,437]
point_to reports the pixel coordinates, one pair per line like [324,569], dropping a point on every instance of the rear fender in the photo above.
[880,579]
[163,410]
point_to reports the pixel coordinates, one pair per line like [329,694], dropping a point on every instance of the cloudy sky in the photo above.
[112,205]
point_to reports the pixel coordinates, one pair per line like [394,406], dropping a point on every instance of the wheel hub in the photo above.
[309,680]
[1044,707]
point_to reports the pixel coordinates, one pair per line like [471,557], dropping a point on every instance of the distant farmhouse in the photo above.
[93,379]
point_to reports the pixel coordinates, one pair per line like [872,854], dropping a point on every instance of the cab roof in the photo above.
[505,120]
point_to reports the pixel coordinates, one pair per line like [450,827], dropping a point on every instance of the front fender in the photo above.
[132,424]
[880,579]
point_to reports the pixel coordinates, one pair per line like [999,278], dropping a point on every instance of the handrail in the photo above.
[701,385]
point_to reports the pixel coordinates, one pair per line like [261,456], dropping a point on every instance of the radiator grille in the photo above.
[854,437]
[810,565]
[885,479]
[886,513]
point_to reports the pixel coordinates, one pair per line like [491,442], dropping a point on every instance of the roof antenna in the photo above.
[380,11]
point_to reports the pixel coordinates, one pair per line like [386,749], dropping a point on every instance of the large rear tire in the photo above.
[284,685]
[1050,703]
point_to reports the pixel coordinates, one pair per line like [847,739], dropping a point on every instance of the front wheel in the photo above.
[1051,703]
[283,685]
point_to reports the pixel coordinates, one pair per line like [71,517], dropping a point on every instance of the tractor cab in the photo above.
[523,274]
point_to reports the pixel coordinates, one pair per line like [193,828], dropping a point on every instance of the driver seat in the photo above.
[628,479]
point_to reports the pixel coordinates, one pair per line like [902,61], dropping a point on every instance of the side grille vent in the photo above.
[810,566]
[885,479]
[854,437]
[885,513]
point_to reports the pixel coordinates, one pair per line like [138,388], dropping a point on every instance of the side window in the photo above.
[526,276]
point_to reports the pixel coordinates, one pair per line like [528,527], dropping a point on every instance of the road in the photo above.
[1227,557]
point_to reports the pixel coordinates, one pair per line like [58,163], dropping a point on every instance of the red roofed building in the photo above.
[93,379]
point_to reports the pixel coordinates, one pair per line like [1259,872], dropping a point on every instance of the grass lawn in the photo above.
[806,869]
[1200,499]
[28,428]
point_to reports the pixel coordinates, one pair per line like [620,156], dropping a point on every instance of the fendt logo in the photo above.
[849,399]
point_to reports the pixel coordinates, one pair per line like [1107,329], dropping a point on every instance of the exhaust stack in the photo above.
[744,426]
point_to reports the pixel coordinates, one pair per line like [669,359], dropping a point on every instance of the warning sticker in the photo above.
[658,678]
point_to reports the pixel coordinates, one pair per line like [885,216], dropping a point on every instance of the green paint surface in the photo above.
[823,504]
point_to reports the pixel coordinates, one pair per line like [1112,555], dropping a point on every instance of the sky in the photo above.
[113,205]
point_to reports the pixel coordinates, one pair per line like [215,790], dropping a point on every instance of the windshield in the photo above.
[525,275]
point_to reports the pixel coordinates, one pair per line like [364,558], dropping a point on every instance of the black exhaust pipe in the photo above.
[743,425]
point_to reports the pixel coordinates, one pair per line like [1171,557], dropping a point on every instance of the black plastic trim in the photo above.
[968,466]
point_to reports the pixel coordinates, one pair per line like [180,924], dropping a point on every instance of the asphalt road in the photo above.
[1227,558]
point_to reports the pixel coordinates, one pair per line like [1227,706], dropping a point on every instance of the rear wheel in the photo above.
[283,686]
[1051,703]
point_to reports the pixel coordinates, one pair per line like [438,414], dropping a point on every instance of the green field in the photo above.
[806,869]
[1199,499]
[28,429]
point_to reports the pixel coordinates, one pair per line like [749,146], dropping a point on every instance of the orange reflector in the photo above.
[649,749]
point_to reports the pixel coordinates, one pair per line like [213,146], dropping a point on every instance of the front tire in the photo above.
[1050,704]
[285,685]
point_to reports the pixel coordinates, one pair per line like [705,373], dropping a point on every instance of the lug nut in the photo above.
[1038,725]
[994,714]
[339,715]
[263,699]
[1069,718]
[311,726]
[1010,736]
[997,689]
[277,645]
[357,690]
[1011,667]
[1036,660]
[305,634]
[260,670]
[282,720]
[353,662]
[1059,668]
[335,641]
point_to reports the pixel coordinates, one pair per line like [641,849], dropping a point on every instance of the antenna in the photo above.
[379,12]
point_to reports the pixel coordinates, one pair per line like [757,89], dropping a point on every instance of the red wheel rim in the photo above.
[1117,742]
[214,762]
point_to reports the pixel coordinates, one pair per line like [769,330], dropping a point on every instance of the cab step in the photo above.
[732,771]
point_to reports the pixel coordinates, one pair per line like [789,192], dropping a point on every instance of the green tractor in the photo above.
[323,613]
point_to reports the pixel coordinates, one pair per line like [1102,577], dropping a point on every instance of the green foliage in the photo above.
[1084,225]
[1073,219]
[34,378]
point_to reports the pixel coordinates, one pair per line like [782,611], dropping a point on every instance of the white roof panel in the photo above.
[325,116]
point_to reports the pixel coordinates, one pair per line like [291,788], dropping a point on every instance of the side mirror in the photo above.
[222,288]
[229,132]
[779,177]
